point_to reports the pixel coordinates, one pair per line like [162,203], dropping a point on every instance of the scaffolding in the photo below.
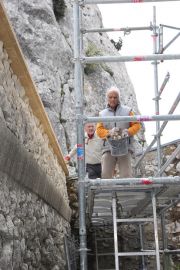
[99,199]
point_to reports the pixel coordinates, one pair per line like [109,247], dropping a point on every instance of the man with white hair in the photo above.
[104,130]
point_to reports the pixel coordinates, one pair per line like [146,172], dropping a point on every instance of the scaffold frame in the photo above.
[151,188]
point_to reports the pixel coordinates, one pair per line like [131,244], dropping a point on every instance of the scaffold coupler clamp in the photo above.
[84,249]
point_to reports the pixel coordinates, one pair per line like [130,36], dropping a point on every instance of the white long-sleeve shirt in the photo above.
[93,150]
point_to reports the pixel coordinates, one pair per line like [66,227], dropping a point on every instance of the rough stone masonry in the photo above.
[31,231]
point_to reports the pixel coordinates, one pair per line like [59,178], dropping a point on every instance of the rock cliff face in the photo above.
[45,32]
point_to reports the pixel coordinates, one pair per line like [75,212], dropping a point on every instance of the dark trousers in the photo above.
[93,170]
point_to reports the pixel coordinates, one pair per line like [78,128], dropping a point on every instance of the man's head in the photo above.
[113,97]
[89,128]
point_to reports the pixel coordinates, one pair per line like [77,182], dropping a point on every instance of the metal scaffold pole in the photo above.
[122,29]
[176,102]
[134,181]
[141,231]
[155,231]
[164,242]
[135,118]
[121,1]
[80,136]
[130,58]
[115,232]
[155,63]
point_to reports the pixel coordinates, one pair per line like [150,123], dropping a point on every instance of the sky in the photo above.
[140,43]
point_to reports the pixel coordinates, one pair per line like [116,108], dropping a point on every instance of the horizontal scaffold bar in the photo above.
[169,26]
[176,251]
[174,106]
[131,58]
[142,253]
[120,1]
[134,181]
[105,238]
[135,118]
[134,220]
[122,29]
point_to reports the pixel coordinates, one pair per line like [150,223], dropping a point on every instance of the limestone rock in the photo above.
[47,46]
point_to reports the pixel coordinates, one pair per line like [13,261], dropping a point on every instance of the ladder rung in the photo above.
[106,254]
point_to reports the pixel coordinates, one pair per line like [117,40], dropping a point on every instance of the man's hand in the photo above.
[125,133]
[113,131]
[67,158]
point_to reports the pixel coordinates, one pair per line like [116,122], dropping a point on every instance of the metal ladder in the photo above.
[142,253]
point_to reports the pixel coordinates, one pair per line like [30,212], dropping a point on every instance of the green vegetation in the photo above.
[92,50]
[177,267]
[62,91]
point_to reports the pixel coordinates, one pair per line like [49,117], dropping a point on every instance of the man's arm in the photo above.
[134,126]
[71,153]
[101,131]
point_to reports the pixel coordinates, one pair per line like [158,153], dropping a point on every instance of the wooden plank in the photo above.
[19,67]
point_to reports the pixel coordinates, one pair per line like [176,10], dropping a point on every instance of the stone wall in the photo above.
[20,120]
[31,232]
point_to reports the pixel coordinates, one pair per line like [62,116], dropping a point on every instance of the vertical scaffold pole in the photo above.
[155,230]
[80,135]
[164,242]
[115,232]
[96,249]
[141,233]
[155,63]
